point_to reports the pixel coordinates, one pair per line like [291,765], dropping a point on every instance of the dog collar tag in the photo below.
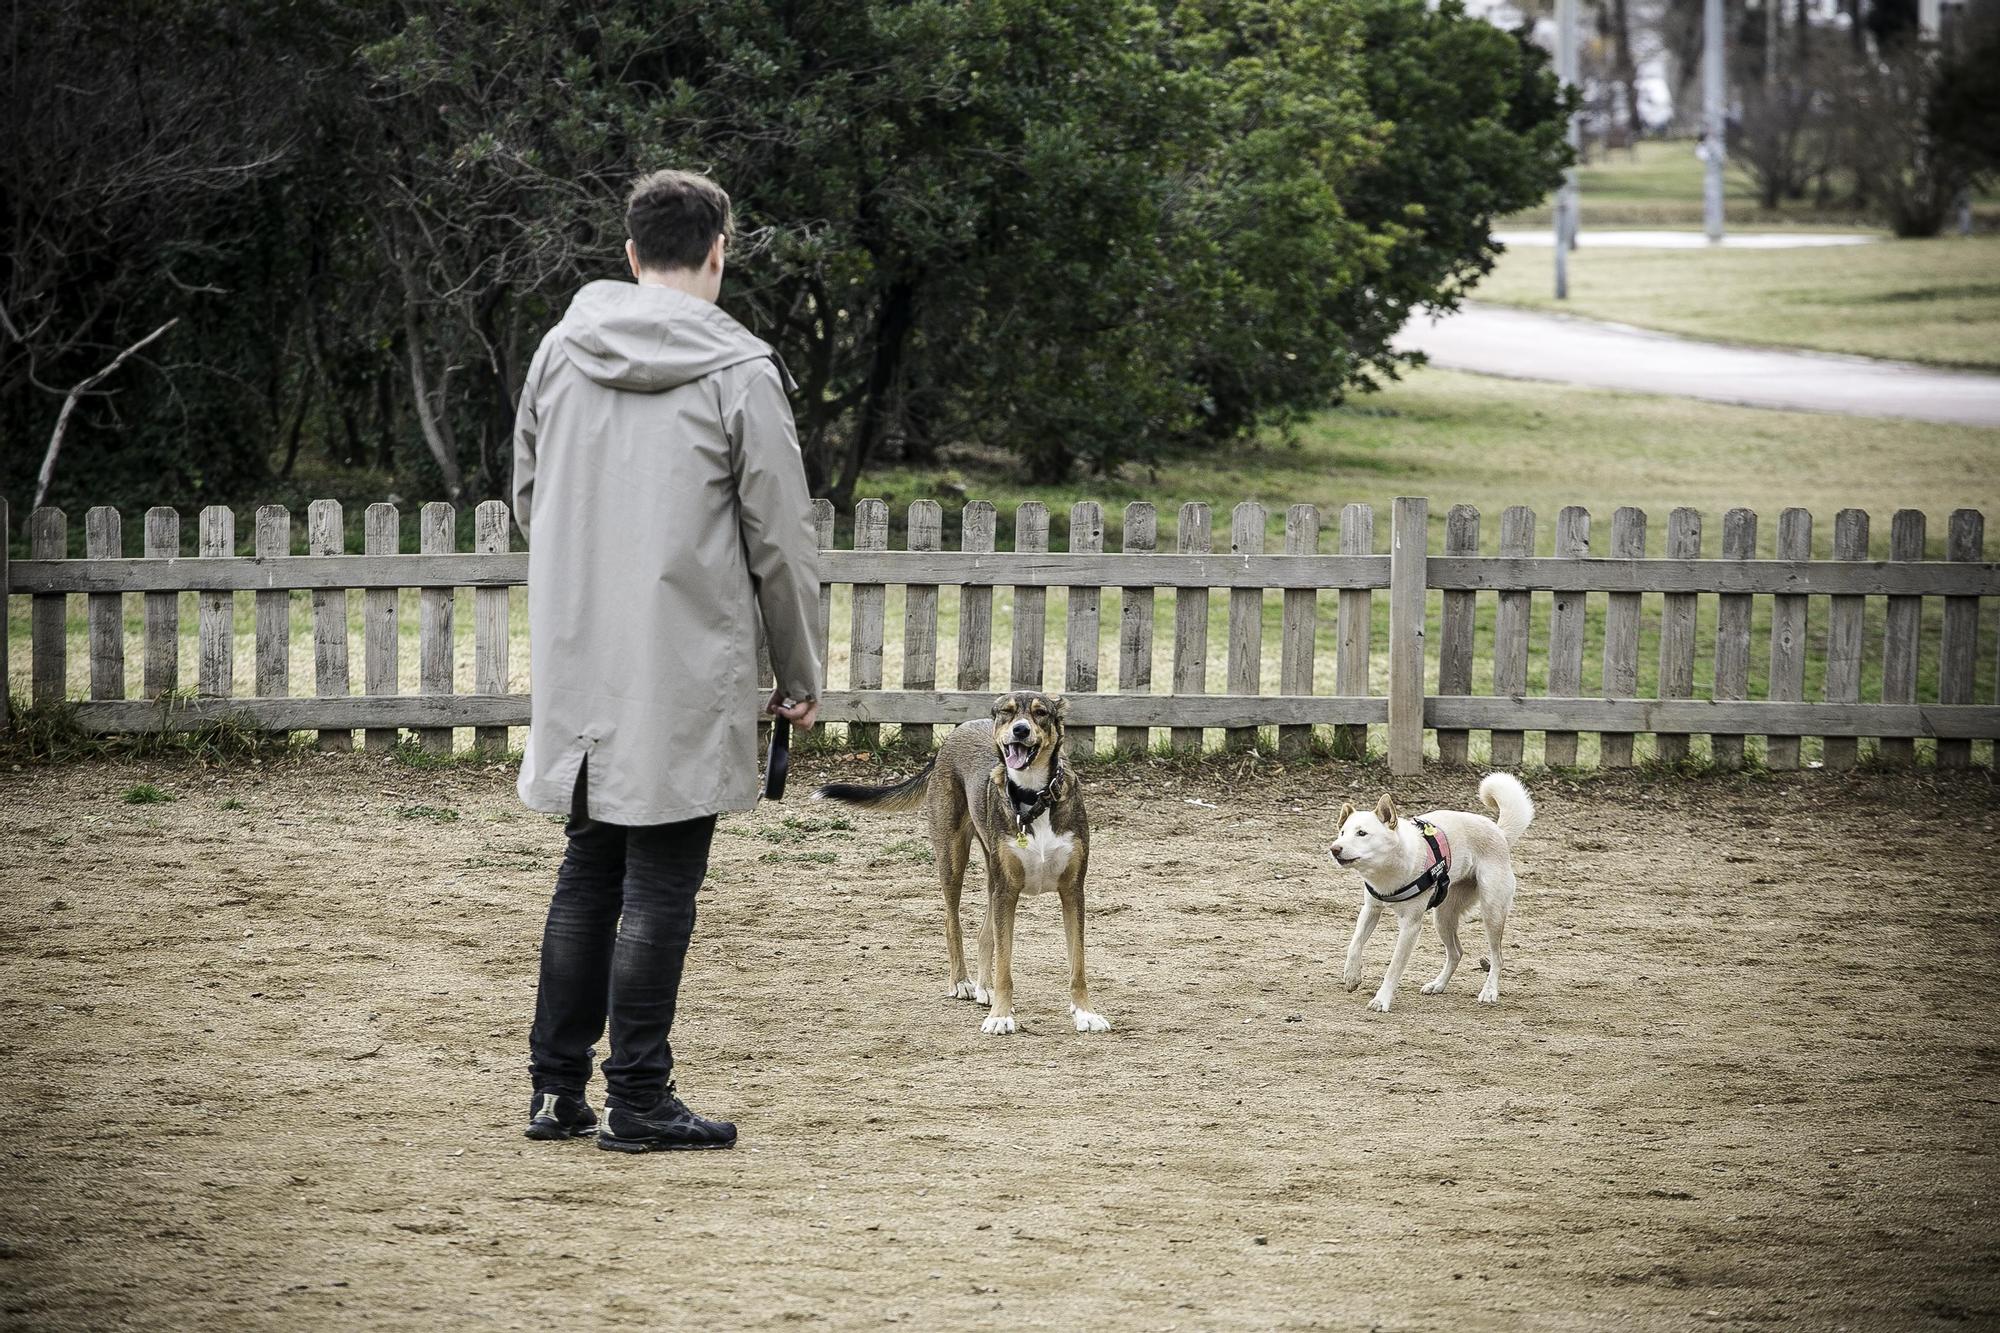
[1021,838]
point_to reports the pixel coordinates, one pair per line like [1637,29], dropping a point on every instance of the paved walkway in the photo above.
[1523,344]
[1688,240]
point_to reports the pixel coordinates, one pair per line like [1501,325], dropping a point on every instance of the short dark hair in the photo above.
[674,217]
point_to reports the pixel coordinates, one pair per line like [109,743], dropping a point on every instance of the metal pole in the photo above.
[1566,196]
[1712,117]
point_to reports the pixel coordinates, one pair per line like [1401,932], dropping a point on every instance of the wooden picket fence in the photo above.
[1355,573]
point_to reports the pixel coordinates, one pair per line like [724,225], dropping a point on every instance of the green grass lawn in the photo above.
[1454,438]
[1935,301]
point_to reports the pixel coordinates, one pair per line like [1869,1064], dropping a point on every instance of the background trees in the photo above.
[1075,233]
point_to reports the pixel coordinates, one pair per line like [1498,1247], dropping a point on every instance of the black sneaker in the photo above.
[666,1126]
[557,1115]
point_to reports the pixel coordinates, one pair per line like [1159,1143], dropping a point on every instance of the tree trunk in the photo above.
[431,417]
[892,331]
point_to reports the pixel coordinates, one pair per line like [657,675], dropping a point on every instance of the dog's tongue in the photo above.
[1016,756]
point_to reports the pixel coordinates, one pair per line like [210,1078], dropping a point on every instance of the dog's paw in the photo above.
[1488,995]
[963,990]
[998,1025]
[1380,1004]
[981,995]
[1089,1022]
[1432,987]
[1351,981]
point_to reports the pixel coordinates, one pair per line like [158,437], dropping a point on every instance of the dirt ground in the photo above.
[264,1055]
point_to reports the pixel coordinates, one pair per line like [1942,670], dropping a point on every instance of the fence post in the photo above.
[1135,623]
[215,676]
[1191,623]
[1510,633]
[1844,636]
[381,647]
[1298,630]
[920,602]
[1621,635]
[865,618]
[163,609]
[326,534]
[104,539]
[274,606]
[1086,537]
[1356,633]
[48,614]
[1732,632]
[491,525]
[1409,532]
[1677,630]
[1246,620]
[1901,635]
[823,536]
[1958,651]
[437,534]
[976,525]
[1031,535]
[1566,634]
[1461,537]
[1788,636]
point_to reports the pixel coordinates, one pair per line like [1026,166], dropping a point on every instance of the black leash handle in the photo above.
[779,761]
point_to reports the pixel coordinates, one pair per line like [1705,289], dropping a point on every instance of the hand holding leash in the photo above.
[779,761]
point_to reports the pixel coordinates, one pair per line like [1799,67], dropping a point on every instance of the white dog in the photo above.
[1445,860]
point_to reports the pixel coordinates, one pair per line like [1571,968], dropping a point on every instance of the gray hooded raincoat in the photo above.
[658,478]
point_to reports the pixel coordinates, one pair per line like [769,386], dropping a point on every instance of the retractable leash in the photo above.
[779,761]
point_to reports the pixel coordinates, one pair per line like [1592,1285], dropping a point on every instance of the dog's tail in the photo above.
[905,795]
[1504,795]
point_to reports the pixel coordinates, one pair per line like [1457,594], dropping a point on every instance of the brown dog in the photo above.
[1003,782]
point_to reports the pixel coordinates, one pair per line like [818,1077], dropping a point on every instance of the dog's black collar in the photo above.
[1028,806]
[1436,879]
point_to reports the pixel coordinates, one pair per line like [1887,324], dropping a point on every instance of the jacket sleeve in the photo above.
[774,512]
[527,432]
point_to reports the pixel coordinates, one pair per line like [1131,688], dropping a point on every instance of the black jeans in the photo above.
[616,939]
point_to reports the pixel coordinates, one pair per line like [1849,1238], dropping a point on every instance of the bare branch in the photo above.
[69,405]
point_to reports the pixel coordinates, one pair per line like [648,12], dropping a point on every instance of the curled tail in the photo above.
[905,795]
[1504,795]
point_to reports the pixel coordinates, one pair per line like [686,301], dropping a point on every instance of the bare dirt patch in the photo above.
[264,1048]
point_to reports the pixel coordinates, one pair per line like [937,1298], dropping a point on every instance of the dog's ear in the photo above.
[1060,706]
[1346,813]
[1385,810]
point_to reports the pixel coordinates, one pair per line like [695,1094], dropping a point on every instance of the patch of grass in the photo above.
[818,858]
[49,733]
[231,803]
[820,823]
[914,851]
[145,793]
[1929,301]
[436,814]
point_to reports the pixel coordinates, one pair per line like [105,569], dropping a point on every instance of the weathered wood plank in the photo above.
[1958,649]
[1902,635]
[1455,629]
[48,613]
[1677,631]
[1732,633]
[1135,622]
[1715,717]
[215,672]
[1510,633]
[1356,627]
[163,609]
[920,606]
[977,525]
[1409,535]
[1788,637]
[1080,647]
[6,678]
[1844,635]
[437,534]
[492,525]
[1298,629]
[1800,577]
[1246,621]
[865,619]
[1031,538]
[326,535]
[104,539]
[1621,634]
[1566,633]
[823,531]
[274,607]
[1191,623]
[381,636]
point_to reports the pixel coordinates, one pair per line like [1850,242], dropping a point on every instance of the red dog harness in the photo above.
[1435,877]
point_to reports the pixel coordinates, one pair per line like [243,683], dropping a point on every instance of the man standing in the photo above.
[656,463]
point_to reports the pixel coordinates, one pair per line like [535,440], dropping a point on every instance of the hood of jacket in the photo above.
[651,339]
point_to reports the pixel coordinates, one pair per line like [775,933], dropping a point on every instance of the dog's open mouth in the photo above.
[1018,756]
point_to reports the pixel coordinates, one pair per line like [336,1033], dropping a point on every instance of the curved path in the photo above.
[1524,344]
